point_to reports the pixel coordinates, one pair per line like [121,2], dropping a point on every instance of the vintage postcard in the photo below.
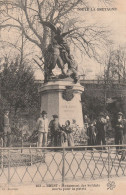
[62,97]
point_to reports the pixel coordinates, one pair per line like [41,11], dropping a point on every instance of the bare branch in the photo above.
[28,20]
[42,69]
[61,14]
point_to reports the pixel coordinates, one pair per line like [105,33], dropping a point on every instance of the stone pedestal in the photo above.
[62,97]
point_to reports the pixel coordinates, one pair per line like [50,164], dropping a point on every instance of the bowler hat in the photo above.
[44,112]
[55,116]
[120,113]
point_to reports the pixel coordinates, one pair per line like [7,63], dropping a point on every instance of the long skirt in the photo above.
[70,139]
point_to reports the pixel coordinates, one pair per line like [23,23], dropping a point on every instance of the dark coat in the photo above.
[124,133]
[54,127]
[119,127]
[100,126]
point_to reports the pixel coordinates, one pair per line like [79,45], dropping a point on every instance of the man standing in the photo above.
[7,130]
[123,156]
[100,126]
[119,128]
[55,131]
[86,122]
[42,127]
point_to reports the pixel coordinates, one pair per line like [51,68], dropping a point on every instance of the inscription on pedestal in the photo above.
[68,108]
[63,99]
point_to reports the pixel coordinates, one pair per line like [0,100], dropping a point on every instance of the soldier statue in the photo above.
[59,53]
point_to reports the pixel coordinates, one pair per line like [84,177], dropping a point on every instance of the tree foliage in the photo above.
[115,67]
[18,87]
[93,103]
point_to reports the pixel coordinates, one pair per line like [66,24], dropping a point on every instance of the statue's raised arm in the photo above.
[68,32]
[57,30]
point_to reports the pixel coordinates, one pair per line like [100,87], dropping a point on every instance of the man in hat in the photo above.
[55,131]
[42,127]
[100,126]
[119,128]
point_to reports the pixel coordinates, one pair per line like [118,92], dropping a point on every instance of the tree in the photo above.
[114,80]
[115,67]
[18,87]
[93,103]
[27,17]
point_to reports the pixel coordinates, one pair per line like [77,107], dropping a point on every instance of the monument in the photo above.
[61,94]
[62,97]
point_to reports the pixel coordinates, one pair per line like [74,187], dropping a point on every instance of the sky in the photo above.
[114,19]
[116,23]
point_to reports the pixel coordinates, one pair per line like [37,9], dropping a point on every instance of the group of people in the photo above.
[96,129]
[64,135]
[60,135]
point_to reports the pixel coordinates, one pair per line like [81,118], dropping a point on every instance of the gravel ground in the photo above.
[45,168]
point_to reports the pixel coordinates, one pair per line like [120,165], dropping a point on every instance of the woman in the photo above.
[69,131]
[91,134]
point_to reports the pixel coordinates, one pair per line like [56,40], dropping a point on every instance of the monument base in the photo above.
[63,98]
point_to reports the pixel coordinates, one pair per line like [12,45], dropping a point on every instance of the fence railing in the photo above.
[34,165]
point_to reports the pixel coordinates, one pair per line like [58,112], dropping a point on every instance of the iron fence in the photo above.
[34,165]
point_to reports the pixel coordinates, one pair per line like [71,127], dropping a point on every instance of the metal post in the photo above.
[108,163]
[21,141]
[31,154]
[63,167]
[8,166]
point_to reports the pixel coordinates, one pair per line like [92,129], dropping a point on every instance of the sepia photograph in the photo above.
[62,97]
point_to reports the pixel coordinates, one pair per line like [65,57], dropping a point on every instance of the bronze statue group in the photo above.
[58,53]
